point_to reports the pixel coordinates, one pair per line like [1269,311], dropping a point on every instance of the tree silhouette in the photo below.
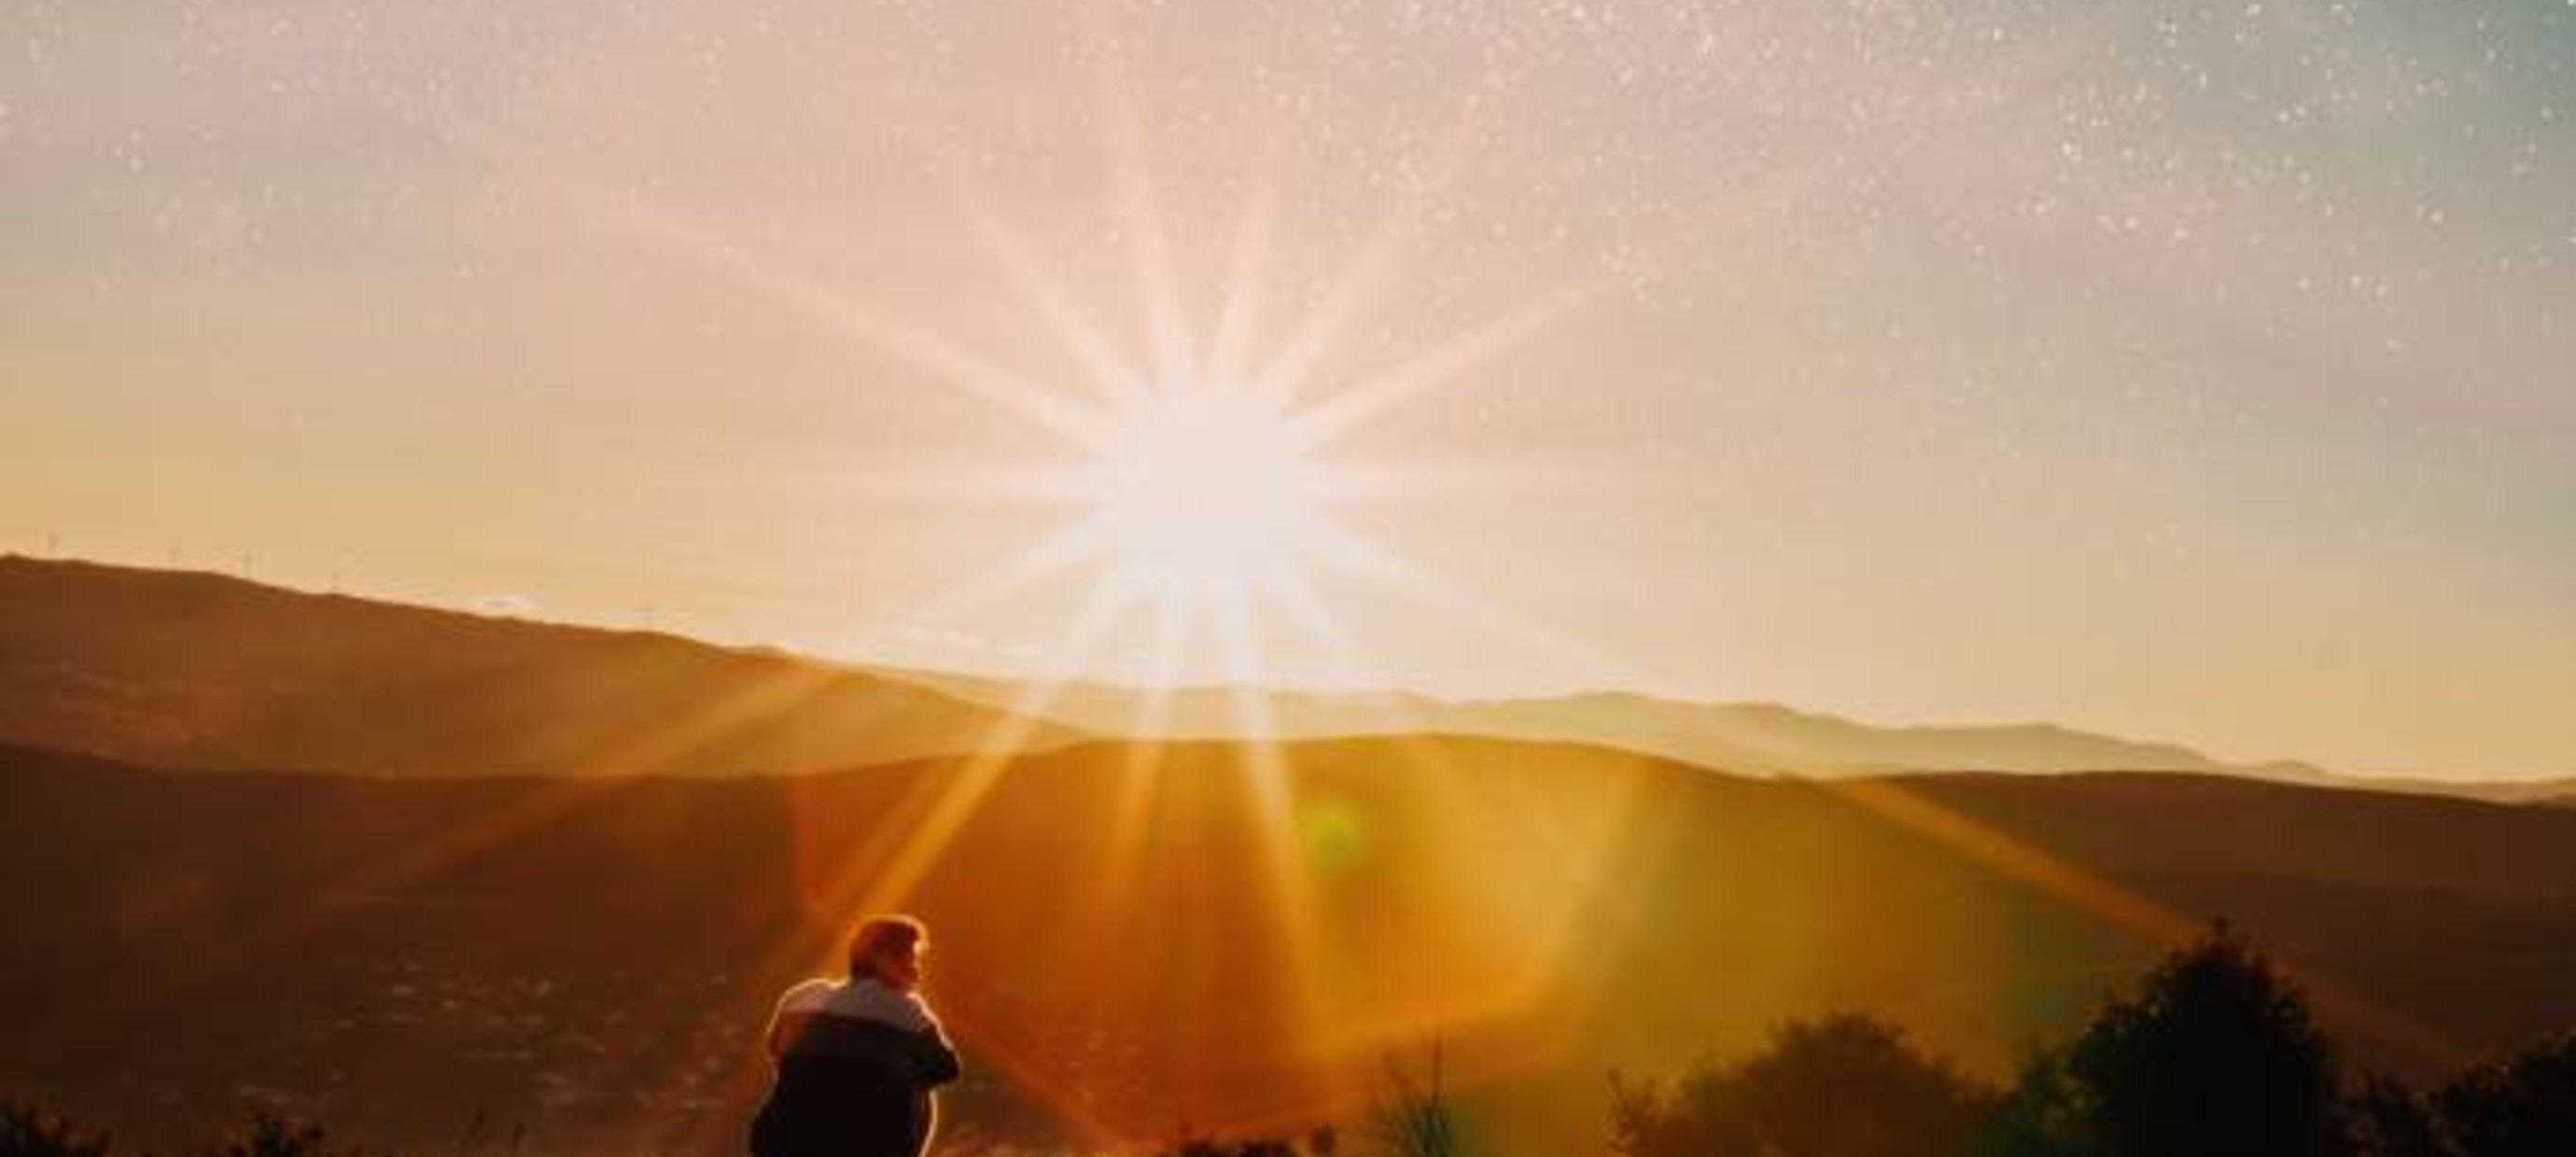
[2217,1055]
[1843,1086]
[2523,1107]
[2391,1120]
[27,1131]
[2041,1116]
[270,1135]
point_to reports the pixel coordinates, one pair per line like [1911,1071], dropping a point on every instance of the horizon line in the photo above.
[1119,683]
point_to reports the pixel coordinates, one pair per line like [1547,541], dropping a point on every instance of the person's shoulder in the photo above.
[921,1009]
[877,1002]
[808,995]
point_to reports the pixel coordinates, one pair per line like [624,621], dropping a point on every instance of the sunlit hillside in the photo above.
[203,670]
[190,669]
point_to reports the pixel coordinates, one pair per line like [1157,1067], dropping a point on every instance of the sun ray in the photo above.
[1381,567]
[1265,761]
[1435,367]
[910,840]
[2122,908]
[1304,607]
[1059,552]
[926,840]
[964,481]
[944,361]
[1552,930]
[1284,376]
[1149,249]
[1134,800]
[1196,499]
[1108,369]
[905,847]
[1239,301]
[603,772]
[1360,280]
[808,943]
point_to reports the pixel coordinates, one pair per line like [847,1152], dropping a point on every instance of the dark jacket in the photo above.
[852,1088]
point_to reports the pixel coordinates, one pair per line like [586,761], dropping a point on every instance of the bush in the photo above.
[2523,1107]
[2217,1055]
[270,1135]
[2390,1120]
[1843,1086]
[27,1131]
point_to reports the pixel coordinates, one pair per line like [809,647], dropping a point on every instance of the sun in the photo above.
[1209,492]
[1204,492]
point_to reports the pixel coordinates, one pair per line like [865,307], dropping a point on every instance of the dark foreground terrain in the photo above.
[1136,944]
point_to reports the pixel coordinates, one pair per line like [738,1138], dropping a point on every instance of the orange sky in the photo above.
[2192,376]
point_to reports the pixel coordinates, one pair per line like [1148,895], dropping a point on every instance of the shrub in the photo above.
[27,1131]
[2523,1107]
[2216,1055]
[270,1135]
[1844,1086]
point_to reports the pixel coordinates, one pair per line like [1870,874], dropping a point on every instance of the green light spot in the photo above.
[1336,838]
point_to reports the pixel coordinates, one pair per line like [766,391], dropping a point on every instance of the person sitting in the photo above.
[857,1057]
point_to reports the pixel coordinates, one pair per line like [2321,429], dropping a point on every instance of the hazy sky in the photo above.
[2194,371]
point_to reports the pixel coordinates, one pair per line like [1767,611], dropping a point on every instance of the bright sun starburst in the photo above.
[1204,492]
[1207,484]
[1204,481]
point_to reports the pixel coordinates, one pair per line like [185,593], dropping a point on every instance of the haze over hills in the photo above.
[1120,958]
[201,670]
[186,669]
[1749,738]
[1754,738]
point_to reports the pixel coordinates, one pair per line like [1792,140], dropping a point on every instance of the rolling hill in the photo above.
[204,671]
[1136,942]
[179,669]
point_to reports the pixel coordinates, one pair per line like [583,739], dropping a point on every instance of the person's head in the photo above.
[888,950]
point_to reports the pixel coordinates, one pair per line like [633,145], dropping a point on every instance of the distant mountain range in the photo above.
[1752,738]
[1747,738]
[200,670]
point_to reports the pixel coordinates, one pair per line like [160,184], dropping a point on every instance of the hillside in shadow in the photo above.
[1139,942]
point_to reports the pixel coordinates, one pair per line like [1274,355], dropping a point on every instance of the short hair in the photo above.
[880,934]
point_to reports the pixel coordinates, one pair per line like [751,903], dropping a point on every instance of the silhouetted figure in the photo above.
[857,1058]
